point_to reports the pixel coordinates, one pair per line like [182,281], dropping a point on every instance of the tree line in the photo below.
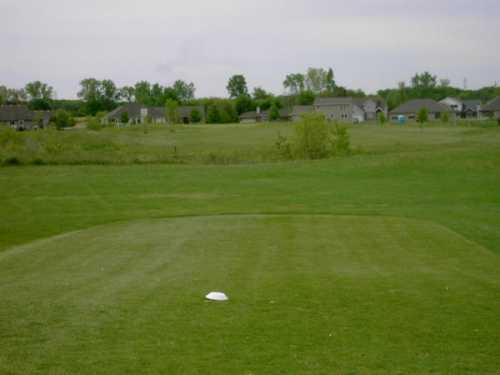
[97,96]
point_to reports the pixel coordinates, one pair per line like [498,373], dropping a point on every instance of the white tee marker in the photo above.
[217,296]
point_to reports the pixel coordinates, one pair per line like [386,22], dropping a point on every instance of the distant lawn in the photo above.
[386,261]
[211,144]
[308,295]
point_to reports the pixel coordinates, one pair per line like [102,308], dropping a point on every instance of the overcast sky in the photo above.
[370,44]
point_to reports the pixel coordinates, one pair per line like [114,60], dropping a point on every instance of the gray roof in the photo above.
[493,106]
[328,101]
[299,109]
[134,111]
[360,102]
[15,113]
[413,106]
[471,105]
[251,115]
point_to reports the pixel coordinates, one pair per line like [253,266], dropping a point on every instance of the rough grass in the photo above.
[309,295]
[205,144]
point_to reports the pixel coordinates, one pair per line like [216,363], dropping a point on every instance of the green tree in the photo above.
[381,118]
[330,82]
[423,116]
[424,81]
[306,98]
[445,117]
[124,118]
[172,111]
[63,119]
[127,93]
[316,80]
[274,113]
[3,94]
[237,86]
[98,95]
[39,94]
[261,94]
[195,116]
[213,115]
[244,104]
[294,83]
[183,91]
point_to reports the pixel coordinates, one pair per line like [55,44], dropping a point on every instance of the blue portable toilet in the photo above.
[402,119]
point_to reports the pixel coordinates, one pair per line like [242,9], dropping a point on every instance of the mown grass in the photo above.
[393,251]
[308,295]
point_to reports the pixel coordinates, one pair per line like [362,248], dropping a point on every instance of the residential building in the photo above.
[138,114]
[349,109]
[471,109]
[411,108]
[463,108]
[20,117]
[299,110]
[492,108]
[263,116]
[455,104]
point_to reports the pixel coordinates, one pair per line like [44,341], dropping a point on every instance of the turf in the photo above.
[309,295]
[393,251]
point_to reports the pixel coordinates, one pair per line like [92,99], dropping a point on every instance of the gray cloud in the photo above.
[370,43]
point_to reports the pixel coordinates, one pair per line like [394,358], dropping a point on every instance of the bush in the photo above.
[311,137]
[124,118]
[11,160]
[423,116]
[93,124]
[315,138]
[445,117]
[195,116]
[381,118]
[63,119]
[340,141]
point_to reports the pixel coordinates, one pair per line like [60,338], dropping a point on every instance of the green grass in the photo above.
[309,295]
[383,262]
[208,144]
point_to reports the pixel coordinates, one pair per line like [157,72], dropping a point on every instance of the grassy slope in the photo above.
[309,295]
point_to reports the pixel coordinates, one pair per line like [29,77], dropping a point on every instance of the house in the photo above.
[138,114]
[263,116]
[299,110]
[20,117]
[251,117]
[455,104]
[411,108]
[471,109]
[463,108]
[492,108]
[349,109]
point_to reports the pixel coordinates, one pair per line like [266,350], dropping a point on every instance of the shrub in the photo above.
[195,116]
[381,118]
[274,113]
[124,118]
[423,116]
[11,160]
[445,117]
[311,137]
[340,141]
[315,138]
[63,119]
[93,124]
[284,147]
